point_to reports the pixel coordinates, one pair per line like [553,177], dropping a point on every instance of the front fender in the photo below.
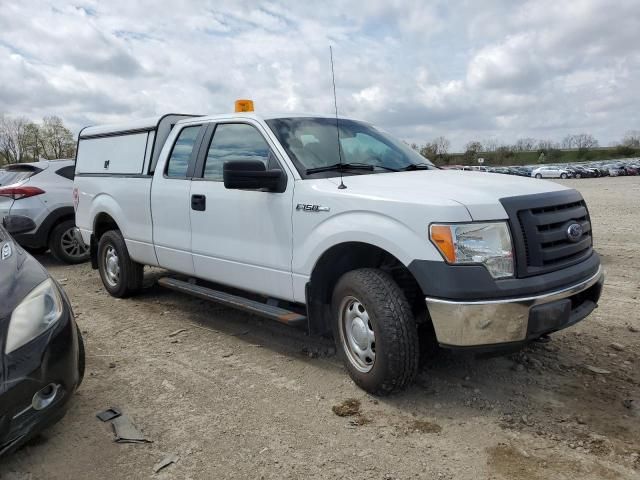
[367,227]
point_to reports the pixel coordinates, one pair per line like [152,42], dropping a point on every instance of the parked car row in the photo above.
[584,170]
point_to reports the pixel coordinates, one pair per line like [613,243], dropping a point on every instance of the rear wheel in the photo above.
[563,175]
[578,175]
[121,276]
[375,331]
[66,243]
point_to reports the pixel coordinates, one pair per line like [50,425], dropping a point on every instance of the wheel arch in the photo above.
[347,256]
[102,223]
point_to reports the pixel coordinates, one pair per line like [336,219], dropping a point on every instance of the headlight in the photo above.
[488,244]
[37,313]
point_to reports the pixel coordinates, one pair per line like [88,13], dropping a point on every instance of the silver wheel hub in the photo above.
[72,244]
[111,266]
[357,335]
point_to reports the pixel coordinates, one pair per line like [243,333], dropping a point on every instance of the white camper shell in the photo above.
[125,149]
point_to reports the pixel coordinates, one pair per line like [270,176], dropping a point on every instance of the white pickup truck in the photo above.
[335,225]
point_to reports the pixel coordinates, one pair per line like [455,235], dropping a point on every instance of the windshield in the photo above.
[312,143]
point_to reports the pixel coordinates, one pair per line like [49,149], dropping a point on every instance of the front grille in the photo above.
[539,225]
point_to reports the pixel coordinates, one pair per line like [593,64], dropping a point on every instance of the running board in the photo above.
[251,306]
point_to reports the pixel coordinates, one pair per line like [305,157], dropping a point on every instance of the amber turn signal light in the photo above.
[442,238]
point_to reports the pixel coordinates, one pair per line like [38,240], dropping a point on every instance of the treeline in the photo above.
[572,148]
[22,140]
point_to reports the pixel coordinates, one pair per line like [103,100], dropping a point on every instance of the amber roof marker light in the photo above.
[243,105]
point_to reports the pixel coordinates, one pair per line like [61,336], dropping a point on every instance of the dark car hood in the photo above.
[19,274]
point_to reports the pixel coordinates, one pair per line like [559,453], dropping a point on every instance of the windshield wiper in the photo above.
[340,167]
[417,166]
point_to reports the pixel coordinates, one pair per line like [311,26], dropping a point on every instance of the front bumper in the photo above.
[513,320]
[51,358]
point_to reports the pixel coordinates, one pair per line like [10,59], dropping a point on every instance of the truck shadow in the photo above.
[545,389]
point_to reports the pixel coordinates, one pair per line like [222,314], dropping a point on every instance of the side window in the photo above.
[181,153]
[67,172]
[235,141]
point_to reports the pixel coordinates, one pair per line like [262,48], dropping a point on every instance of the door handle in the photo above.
[198,202]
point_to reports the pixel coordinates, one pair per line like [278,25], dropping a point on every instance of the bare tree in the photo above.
[442,145]
[437,148]
[491,145]
[584,141]
[546,144]
[473,147]
[567,142]
[631,139]
[525,144]
[581,141]
[12,139]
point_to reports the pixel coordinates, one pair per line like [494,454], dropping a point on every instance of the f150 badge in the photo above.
[307,207]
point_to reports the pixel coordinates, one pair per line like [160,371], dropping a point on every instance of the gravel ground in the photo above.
[234,396]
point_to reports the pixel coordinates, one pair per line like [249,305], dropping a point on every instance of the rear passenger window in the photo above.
[67,172]
[181,154]
[235,141]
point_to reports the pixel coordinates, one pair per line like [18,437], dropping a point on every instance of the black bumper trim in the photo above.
[473,282]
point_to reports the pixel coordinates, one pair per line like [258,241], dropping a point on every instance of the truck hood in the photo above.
[479,192]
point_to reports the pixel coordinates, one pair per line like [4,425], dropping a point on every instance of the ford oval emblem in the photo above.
[574,232]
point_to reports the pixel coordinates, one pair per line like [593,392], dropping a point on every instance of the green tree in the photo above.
[33,142]
[56,140]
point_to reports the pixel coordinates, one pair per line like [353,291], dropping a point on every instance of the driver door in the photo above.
[240,238]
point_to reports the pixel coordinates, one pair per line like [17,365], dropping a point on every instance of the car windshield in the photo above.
[311,143]
[8,177]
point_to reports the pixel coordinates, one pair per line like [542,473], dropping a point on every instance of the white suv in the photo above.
[550,172]
[38,197]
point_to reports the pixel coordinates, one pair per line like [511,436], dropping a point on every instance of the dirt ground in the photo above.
[234,396]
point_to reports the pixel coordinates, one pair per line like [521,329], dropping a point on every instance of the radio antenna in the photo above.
[335,104]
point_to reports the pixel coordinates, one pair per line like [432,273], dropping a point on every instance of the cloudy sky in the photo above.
[464,69]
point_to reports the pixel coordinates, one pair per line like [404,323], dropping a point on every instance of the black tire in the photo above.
[64,247]
[81,357]
[395,345]
[538,175]
[128,280]
[578,175]
[563,175]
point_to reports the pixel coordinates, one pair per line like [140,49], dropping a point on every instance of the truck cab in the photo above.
[333,224]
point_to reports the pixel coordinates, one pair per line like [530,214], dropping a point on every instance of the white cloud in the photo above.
[466,70]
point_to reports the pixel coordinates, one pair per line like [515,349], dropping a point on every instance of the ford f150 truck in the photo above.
[333,224]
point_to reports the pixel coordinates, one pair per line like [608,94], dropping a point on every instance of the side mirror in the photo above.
[16,224]
[253,175]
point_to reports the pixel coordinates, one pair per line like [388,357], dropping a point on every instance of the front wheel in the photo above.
[538,175]
[120,275]
[375,331]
